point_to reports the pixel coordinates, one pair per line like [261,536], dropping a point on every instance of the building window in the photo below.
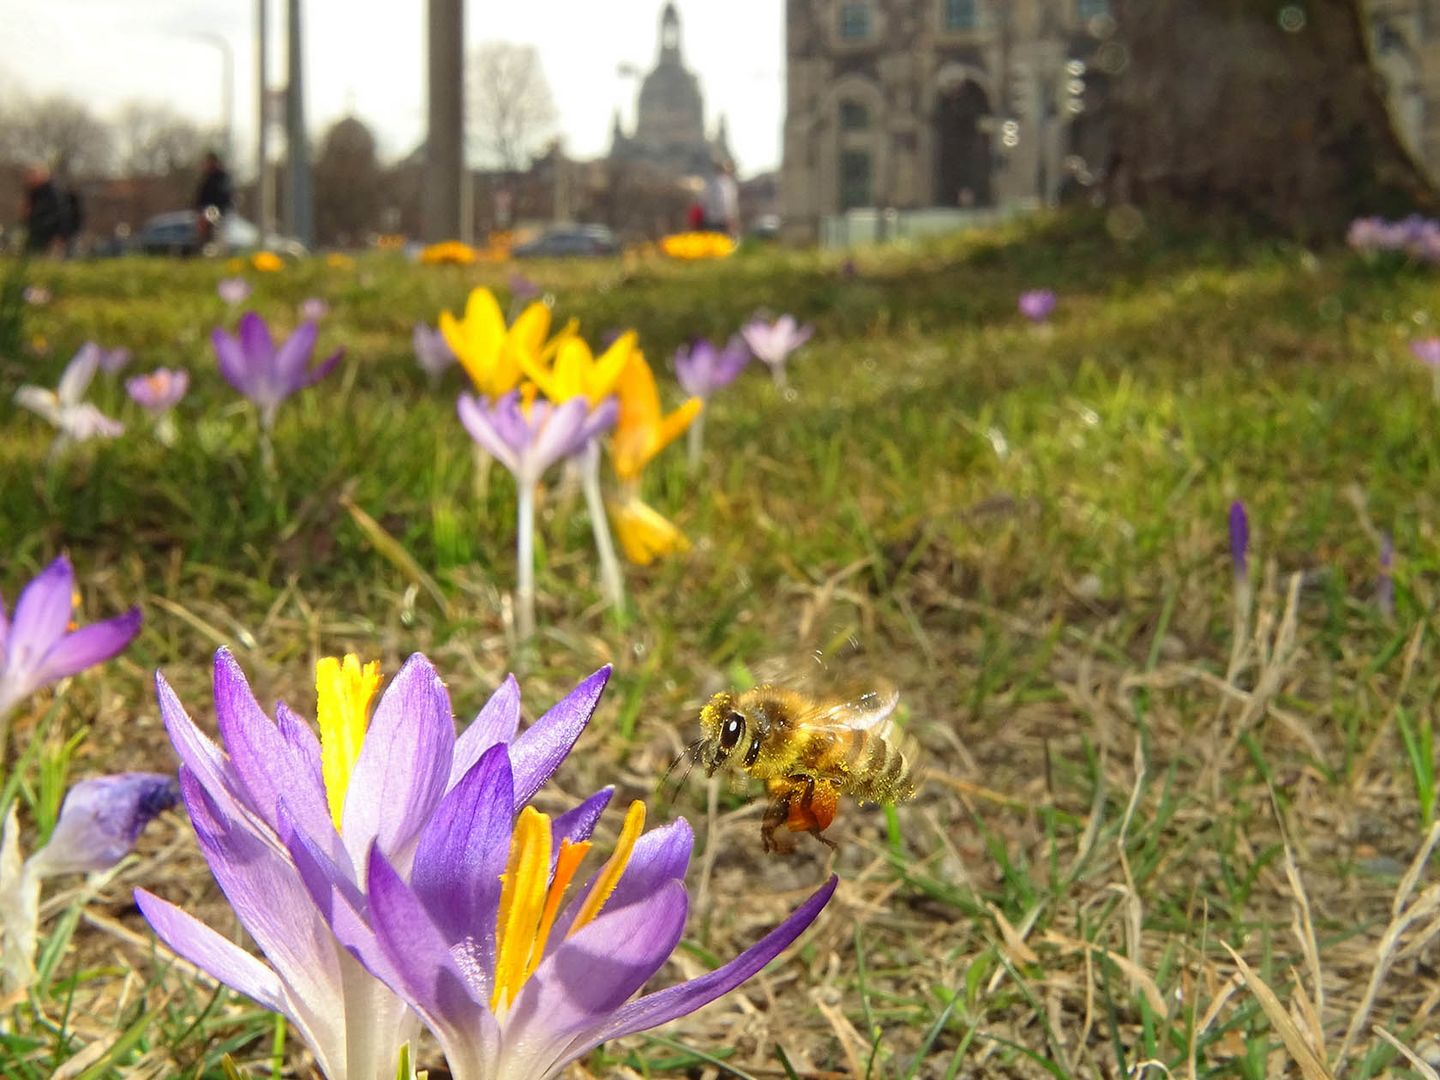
[854,116]
[854,21]
[855,179]
[962,14]
[1091,9]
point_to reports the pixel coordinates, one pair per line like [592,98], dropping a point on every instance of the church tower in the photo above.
[670,114]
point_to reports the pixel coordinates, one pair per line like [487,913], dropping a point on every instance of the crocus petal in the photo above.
[41,614]
[659,855]
[675,1001]
[90,645]
[497,722]
[320,370]
[461,856]
[256,342]
[265,767]
[403,765]
[75,380]
[587,977]
[541,747]
[41,402]
[101,819]
[482,429]
[218,957]
[294,355]
[233,367]
[578,823]
[427,975]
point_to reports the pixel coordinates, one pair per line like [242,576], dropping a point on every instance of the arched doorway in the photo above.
[963,154]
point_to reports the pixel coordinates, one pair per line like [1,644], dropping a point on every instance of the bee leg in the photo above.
[776,815]
[815,809]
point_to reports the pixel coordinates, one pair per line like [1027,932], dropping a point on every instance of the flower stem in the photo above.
[777,372]
[695,440]
[610,576]
[525,561]
[1435,382]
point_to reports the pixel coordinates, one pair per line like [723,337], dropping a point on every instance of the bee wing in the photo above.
[866,710]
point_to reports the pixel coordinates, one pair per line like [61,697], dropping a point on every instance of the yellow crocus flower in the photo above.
[490,352]
[642,429]
[644,533]
[577,372]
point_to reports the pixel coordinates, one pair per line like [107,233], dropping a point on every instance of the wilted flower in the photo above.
[37,646]
[99,822]
[431,350]
[73,418]
[704,367]
[645,534]
[267,262]
[234,291]
[689,246]
[773,344]
[266,375]
[488,351]
[159,391]
[313,309]
[398,859]
[528,440]
[1037,305]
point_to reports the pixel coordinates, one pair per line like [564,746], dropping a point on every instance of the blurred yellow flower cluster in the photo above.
[448,253]
[267,262]
[697,245]
[338,261]
[524,354]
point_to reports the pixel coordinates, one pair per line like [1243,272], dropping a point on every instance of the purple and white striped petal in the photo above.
[540,748]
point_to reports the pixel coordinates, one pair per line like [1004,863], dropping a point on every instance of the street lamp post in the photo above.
[227,88]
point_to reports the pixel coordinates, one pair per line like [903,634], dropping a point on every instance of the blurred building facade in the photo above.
[969,106]
[669,130]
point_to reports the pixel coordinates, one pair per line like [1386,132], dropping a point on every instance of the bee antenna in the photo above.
[690,755]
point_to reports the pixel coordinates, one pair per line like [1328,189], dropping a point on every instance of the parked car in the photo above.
[178,233]
[569,240]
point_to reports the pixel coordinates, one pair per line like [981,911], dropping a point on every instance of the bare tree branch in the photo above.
[511,110]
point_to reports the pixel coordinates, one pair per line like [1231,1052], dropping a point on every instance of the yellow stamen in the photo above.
[566,864]
[344,691]
[614,866]
[522,903]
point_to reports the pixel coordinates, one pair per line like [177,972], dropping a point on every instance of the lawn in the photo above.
[1024,529]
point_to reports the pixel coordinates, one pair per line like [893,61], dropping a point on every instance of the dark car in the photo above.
[569,240]
[177,233]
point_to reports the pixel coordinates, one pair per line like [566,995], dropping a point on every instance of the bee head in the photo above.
[722,728]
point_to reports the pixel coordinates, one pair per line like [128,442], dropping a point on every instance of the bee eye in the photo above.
[731,732]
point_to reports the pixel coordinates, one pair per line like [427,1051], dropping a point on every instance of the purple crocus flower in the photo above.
[159,391]
[1037,305]
[1427,351]
[114,361]
[65,407]
[432,351]
[37,646]
[702,368]
[266,375]
[522,288]
[313,309]
[234,291]
[1240,540]
[1385,583]
[101,819]
[773,344]
[527,441]
[375,888]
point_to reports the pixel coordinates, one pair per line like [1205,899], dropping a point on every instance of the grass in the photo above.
[1025,528]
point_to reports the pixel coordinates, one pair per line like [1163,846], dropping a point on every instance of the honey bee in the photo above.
[808,751]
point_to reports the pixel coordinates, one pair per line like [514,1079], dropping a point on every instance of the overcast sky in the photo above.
[366,57]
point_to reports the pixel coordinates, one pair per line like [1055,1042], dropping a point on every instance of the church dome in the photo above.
[671,109]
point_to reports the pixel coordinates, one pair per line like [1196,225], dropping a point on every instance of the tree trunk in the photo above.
[1267,109]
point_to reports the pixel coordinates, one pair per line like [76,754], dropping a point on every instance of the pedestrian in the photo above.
[41,211]
[72,220]
[721,199]
[213,200]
